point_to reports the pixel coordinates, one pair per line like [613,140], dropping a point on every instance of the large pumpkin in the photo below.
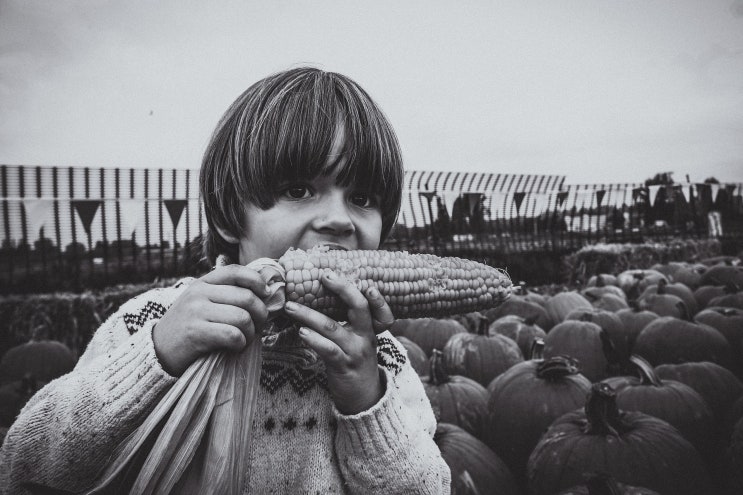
[634,281]
[518,329]
[684,273]
[635,448]
[519,307]
[723,275]
[674,402]
[455,399]
[729,322]
[610,323]
[428,333]
[562,303]
[601,286]
[601,280]
[584,341]
[43,360]
[717,385]
[732,298]
[664,304]
[480,357]
[634,320]
[525,400]
[474,467]
[669,340]
[676,289]
[704,294]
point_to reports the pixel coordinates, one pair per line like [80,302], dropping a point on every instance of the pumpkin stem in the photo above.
[662,287]
[437,374]
[645,370]
[483,323]
[536,351]
[634,305]
[600,281]
[554,368]
[602,484]
[531,320]
[586,316]
[602,412]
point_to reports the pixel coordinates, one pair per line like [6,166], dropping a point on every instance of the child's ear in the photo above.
[227,236]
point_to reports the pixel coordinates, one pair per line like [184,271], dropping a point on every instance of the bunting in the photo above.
[561,197]
[38,213]
[518,198]
[175,209]
[653,193]
[687,192]
[449,198]
[714,188]
[86,210]
[600,197]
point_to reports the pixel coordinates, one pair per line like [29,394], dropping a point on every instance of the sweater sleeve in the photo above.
[66,432]
[389,448]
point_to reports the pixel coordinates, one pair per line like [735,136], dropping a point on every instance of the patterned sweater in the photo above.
[301,443]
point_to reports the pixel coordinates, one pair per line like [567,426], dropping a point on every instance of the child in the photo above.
[302,158]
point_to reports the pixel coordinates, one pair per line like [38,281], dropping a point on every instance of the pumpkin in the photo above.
[471,321]
[706,293]
[584,341]
[674,402]
[416,355]
[522,331]
[602,484]
[428,333]
[44,360]
[455,399]
[600,287]
[726,260]
[474,467]
[634,320]
[679,290]
[611,324]
[609,302]
[562,303]
[480,357]
[689,274]
[602,280]
[525,400]
[723,275]
[719,387]
[729,322]
[634,281]
[669,340]
[519,307]
[633,447]
[664,304]
[732,298]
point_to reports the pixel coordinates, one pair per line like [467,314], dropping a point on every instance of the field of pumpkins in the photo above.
[629,384]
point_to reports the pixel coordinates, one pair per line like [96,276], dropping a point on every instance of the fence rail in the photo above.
[70,228]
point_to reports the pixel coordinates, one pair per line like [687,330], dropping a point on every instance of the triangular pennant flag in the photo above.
[518,198]
[37,214]
[715,188]
[449,198]
[600,197]
[473,199]
[131,214]
[653,193]
[561,197]
[175,209]
[86,210]
[686,191]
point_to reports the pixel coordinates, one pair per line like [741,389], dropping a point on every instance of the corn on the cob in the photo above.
[414,285]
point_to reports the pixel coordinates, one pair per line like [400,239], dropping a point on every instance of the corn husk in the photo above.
[197,438]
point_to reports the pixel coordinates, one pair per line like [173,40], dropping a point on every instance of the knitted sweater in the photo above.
[301,443]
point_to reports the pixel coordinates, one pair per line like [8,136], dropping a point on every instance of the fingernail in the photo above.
[330,275]
[291,306]
[303,331]
[372,291]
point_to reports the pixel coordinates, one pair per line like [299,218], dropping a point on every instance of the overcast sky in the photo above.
[598,90]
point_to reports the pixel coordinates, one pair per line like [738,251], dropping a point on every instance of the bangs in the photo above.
[295,135]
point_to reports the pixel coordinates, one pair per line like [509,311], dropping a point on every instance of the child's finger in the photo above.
[382,318]
[224,336]
[233,317]
[241,298]
[328,350]
[359,315]
[237,275]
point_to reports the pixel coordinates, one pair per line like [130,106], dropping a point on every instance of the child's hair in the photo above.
[282,129]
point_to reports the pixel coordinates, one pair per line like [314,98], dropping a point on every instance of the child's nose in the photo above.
[334,218]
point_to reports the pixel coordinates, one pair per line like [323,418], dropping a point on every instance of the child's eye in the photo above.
[363,199]
[297,192]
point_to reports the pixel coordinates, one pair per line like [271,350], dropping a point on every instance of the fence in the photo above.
[72,228]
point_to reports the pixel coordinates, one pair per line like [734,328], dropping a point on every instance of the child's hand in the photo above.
[222,310]
[349,351]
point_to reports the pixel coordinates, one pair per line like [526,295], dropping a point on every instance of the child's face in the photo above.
[310,213]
